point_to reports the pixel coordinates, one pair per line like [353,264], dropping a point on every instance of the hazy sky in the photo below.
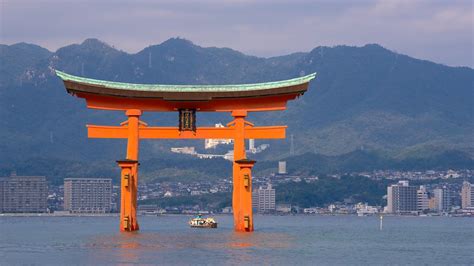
[440,31]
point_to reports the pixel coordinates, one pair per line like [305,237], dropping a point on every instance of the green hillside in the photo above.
[364,98]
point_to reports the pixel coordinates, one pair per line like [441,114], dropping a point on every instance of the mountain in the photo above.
[363,98]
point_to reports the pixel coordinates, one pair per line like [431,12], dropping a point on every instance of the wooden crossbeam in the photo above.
[121,132]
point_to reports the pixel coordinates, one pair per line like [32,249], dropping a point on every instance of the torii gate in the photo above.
[134,99]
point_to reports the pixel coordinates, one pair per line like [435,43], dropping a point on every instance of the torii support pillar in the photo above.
[241,194]
[128,193]
[242,201]
[129,174]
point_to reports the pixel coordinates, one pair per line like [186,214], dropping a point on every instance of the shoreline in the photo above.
[214,214]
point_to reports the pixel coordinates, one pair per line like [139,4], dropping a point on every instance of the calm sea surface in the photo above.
[280,240]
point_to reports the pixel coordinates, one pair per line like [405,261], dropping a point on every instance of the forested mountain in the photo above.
[363,98]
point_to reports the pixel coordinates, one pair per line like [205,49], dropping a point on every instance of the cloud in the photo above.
[424,29]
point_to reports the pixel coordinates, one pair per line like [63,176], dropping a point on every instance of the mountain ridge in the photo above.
[365,96]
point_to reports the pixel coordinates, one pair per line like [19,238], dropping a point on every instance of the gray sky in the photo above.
[440,31]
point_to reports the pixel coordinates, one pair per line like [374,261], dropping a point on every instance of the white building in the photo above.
[212,143]
[363,209]
[438,199]
[263,199]
[442,199]
[389,207]
[252,148]
[467,195]
[282,167]
[311,210]
[451,174]
[422,200]
[184,150]
[283,208]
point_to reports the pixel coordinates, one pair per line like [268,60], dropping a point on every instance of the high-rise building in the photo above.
[282,167]
[255,200]
[432,203]
[87,195]
[263,199]
[442,199]
[422,200]
[23,194]
[401,198]
[389,199]
[438,196]
[467,195]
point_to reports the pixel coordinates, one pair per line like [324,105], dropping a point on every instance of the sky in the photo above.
[437,30]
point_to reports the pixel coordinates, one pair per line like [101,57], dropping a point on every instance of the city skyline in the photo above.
[443,192]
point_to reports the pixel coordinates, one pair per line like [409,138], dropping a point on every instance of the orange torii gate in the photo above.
[134,99]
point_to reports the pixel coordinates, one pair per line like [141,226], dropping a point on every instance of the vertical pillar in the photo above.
[245,217]
[128,219]
[241,195]
[129,179]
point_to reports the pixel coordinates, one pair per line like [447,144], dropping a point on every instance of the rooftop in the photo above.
[185,88]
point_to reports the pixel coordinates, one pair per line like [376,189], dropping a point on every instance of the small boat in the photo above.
[203,222]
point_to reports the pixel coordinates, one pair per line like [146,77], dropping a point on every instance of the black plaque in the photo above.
[187,120]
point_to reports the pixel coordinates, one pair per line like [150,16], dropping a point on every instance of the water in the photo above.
[278,240]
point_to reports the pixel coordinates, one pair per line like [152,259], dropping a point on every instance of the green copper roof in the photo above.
[185,88]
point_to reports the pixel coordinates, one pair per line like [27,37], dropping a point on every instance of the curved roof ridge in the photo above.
[185,88]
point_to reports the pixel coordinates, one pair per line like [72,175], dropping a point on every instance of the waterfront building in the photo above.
[442,199]
[389,208]
[432,203]
[263,199]
[311,210]
[283,208]
[467,195]
[363,209]
[150,209]
[255,200]
[422,200]
[87,195]
[401,198]
[23,194]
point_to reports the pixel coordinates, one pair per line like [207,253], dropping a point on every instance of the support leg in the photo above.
[128,218]
[244,213]
[241,194]
[128,209]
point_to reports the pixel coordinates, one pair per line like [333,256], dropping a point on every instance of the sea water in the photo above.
[277,240]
